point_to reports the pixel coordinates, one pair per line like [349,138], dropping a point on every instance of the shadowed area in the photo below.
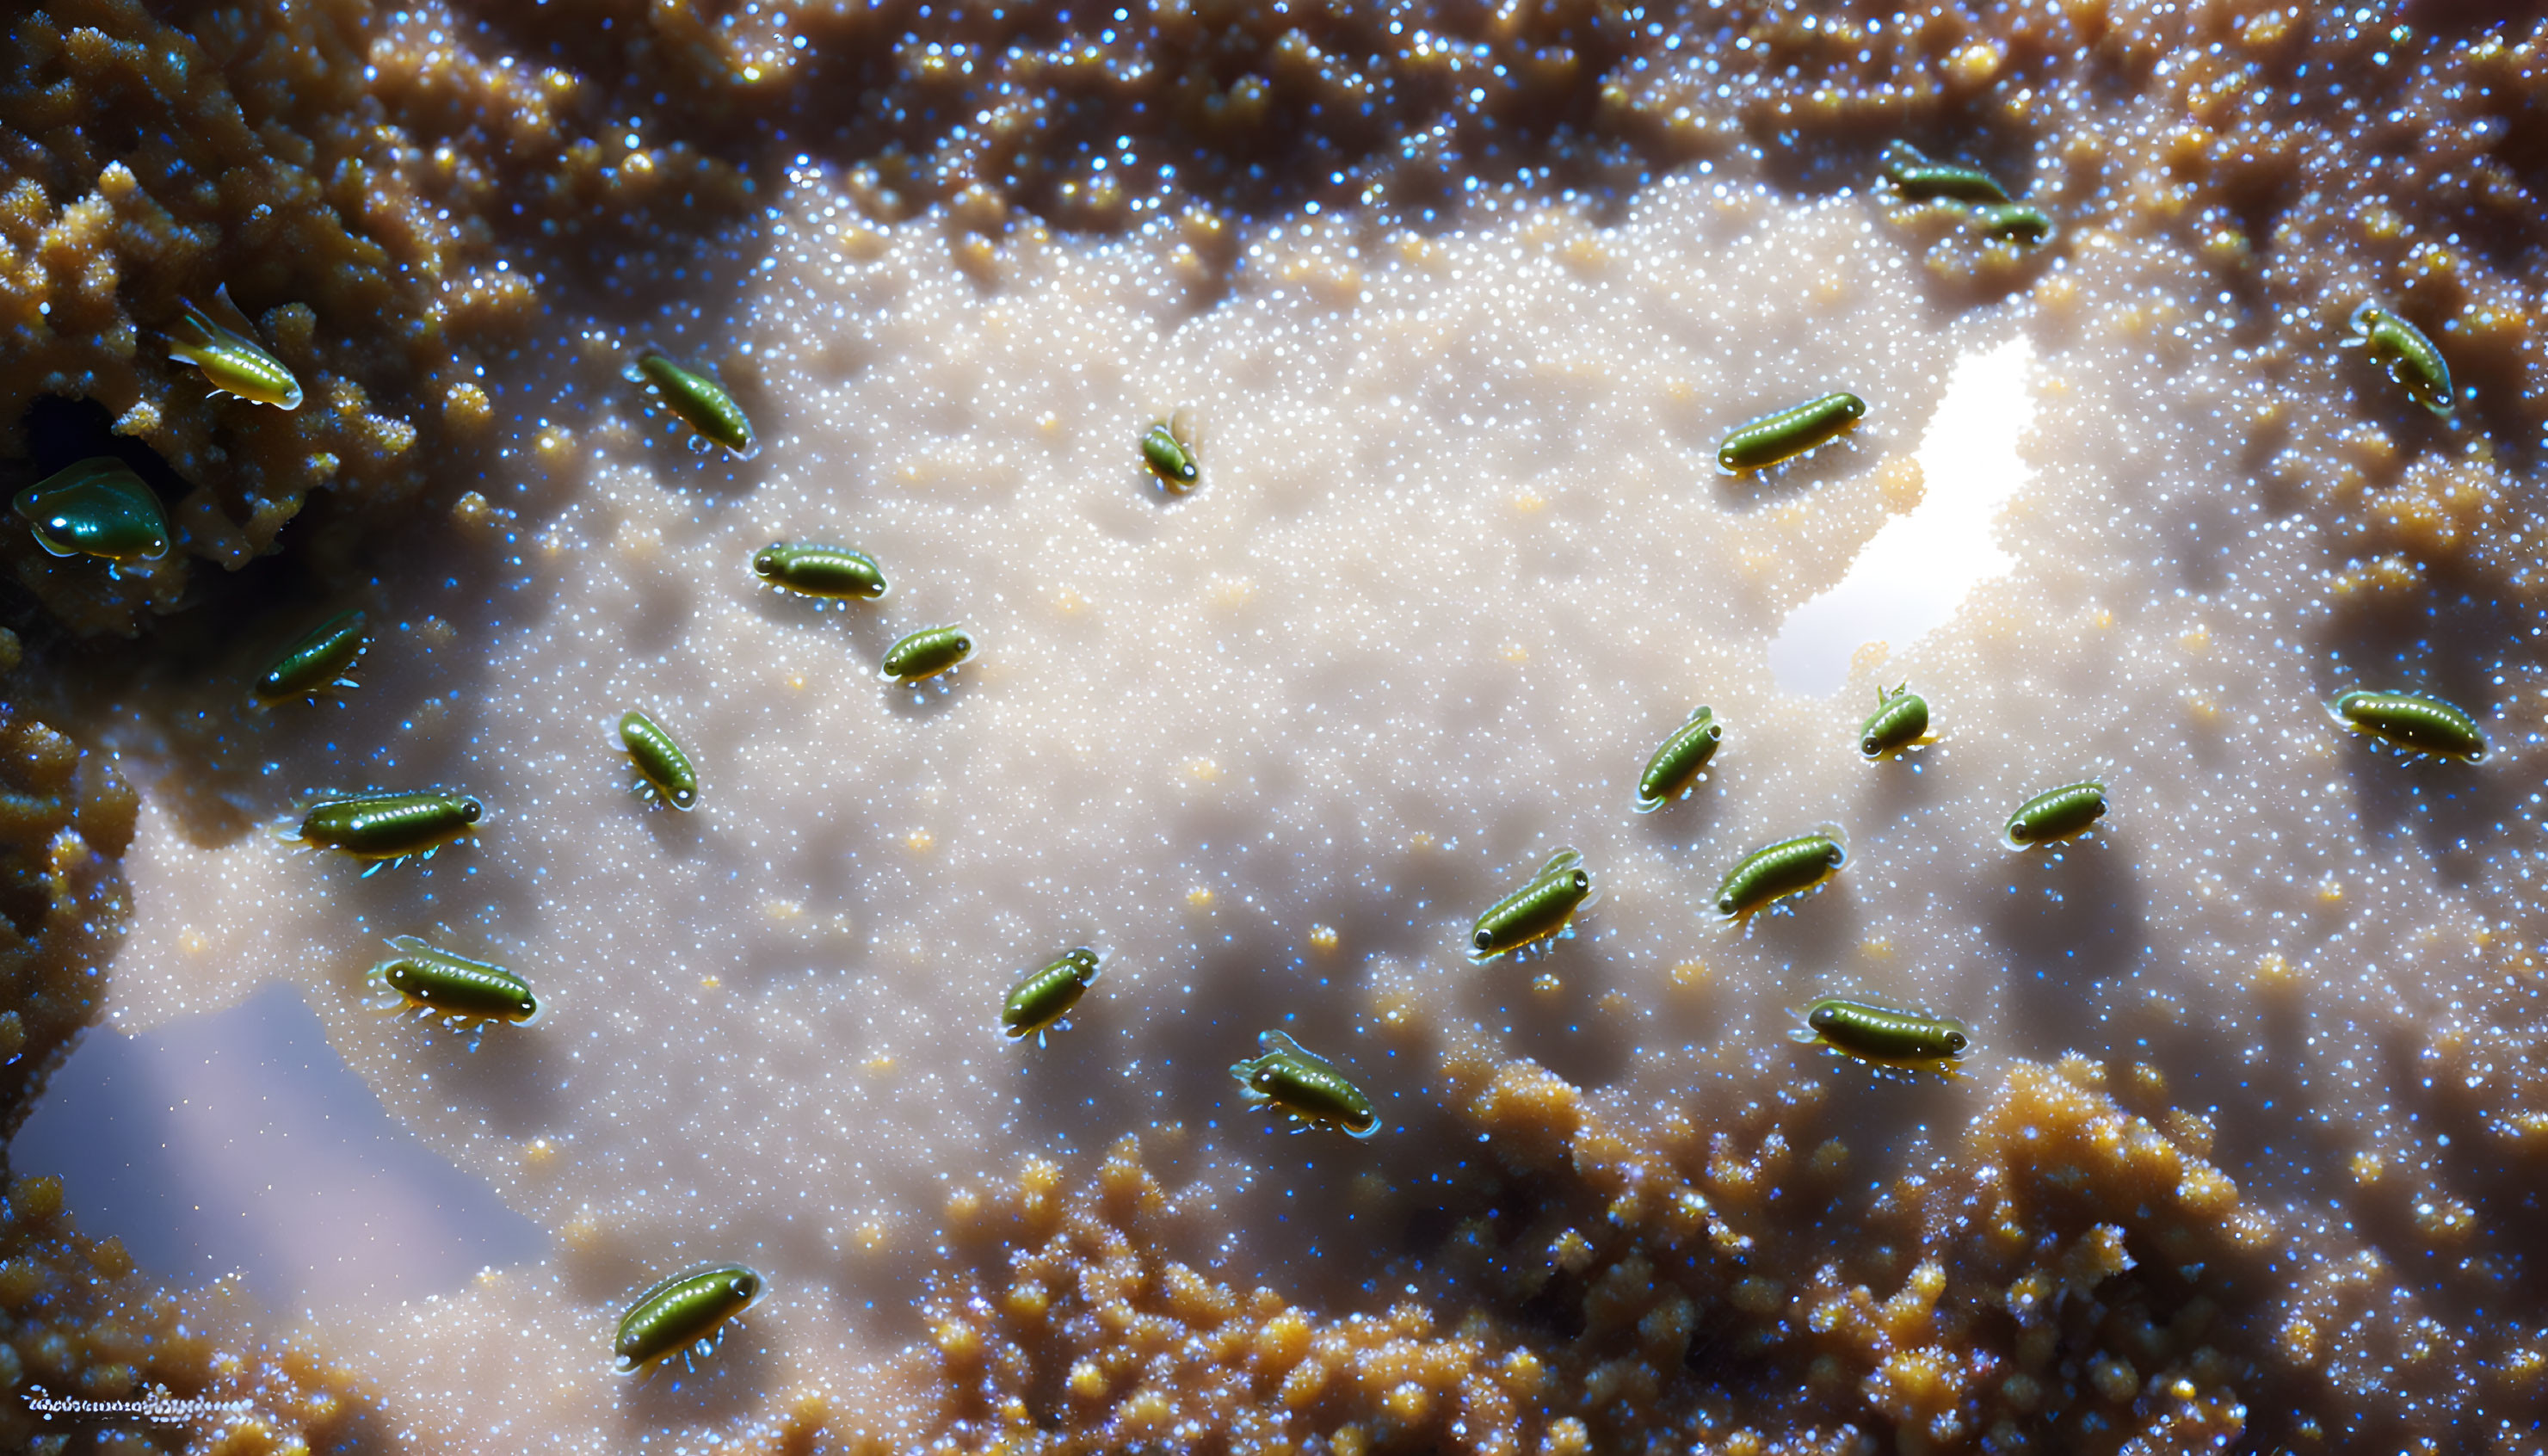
[239,1141]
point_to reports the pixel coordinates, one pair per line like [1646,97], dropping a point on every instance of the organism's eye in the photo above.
[746,1286]
[683,798]
[1263,1077]
[1954,1041]
[2018,832]
[469,809]
[1725,905]
[1715,732]
[1835,854]
[766,563]
[1582,881]
[1868,745]
[1824,1019]
[1484,939]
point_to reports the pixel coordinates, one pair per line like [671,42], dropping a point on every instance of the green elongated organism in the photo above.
[321,662]
[925,654]
[1789,433]
[2410,357]
[1771,873]
[1168,449]
[702,403]
[1907,1040]
[1286,1079]
[465,994]
[390,827]
[2055,815]
[1920,178]
[1675,766]
[1900,720]
[684,1315]
[664,771]
[2412,724]
[1045,996]
[2018,222]
[233,363]
[1534,912]
[831,572]
[95,507]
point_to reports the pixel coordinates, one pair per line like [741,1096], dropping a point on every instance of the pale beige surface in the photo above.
[1460,555]
[1460,558]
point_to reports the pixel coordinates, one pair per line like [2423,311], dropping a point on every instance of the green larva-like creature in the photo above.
[1675,766]
[1284,1078]
[1536,911]
[2411,359]
[1771,873]
[318,663]
[1045,996]
[2056,815]
[1900,720]
[2412,724]
[233,363]
[684,1315]
[1791,432]
[925,654]
[664,771]
[388,828]
[95,507]
[702,403]
[1905,1039]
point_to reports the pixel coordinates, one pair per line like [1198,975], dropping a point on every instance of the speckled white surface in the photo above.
[1459,559]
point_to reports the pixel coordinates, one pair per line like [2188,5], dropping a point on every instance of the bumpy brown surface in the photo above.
[2068,1272]
[65,819]
[350,211]
[2067,1276]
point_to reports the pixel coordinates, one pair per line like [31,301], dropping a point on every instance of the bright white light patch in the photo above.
[1910,578]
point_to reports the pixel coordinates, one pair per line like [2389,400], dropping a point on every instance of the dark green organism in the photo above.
[1534,912]
[1047,996]
[2018,222]
[925,654]
[1789,433]
[1675,766]
[321,662]
[663,770]
[95,507]
[465,994]
[1790,866]
[702,403]
[234,363]
[831,572]
[1918,178]
[1896,1038]
[1900,720]
[2412,724]
[2057,814]
[388,828]
[1286,1079]
[2411,359]
[1168,449]
[684,1315]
